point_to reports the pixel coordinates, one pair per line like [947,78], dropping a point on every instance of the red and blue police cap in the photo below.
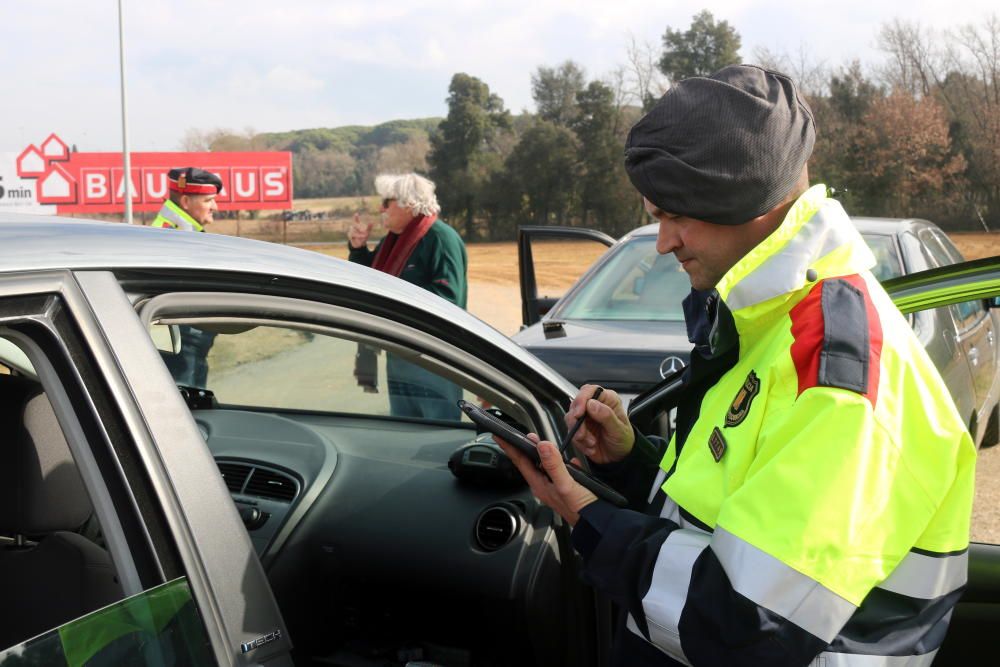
[194,181]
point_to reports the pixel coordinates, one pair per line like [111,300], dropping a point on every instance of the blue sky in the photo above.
[290,64]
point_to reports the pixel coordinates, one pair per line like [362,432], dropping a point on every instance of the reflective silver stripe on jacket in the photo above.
[928,577]
[668,589]
[785,271]
[672,512]
[765,580]
[177,221]
[857,660]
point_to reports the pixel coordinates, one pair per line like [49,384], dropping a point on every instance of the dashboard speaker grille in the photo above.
[495,527]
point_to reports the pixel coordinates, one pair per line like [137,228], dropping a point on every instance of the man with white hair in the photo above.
[418,247]
[425,251]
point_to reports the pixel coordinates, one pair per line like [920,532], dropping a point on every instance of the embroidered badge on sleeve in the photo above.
[744,397]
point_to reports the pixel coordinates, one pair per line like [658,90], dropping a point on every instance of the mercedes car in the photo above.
[621,325]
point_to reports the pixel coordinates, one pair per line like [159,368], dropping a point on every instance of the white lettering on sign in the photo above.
[17,195]
[248,188]
[274,184]
[156,185]
[95,186]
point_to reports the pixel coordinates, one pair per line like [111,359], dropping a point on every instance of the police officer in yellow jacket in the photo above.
[813,505]
[190,206]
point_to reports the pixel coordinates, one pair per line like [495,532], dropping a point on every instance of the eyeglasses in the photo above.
[385,202]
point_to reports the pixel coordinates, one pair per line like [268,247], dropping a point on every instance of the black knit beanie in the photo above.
[725,148]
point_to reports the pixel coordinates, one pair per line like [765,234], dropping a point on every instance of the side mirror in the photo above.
[166,337]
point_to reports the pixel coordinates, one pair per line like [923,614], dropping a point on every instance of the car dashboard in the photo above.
[372,544]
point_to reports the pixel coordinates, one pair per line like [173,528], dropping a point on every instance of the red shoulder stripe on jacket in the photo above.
[837,337]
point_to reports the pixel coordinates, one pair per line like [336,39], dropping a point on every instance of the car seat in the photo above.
[48,574]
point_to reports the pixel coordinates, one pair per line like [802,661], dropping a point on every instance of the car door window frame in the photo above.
[432,353]
[37,310]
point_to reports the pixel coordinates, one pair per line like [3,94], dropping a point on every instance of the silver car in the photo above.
[208,456]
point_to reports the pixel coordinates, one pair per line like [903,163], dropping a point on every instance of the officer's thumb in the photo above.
[598,411]
[552,462]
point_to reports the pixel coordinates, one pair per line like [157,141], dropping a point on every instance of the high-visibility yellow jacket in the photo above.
[172,216]
[817,508]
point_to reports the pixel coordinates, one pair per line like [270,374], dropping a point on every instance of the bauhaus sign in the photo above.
[51,177]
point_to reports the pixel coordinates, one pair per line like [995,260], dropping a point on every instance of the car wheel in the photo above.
[992,434]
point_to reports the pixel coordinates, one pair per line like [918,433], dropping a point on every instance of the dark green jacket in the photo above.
[438,264]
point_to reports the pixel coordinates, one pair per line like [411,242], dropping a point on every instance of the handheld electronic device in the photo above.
[528,448]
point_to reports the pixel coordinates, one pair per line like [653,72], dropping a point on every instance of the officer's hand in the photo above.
[606,435]
[359,232]
[557,490]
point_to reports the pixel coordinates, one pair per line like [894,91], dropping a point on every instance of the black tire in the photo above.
[991,436]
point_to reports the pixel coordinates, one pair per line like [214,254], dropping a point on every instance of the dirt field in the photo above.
[495,298]
[976,245]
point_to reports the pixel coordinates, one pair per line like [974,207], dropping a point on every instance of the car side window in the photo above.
[968,312]
[64,586]
[886,257]
[944,253]
[287,368]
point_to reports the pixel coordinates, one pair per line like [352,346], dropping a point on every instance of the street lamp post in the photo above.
[126,159]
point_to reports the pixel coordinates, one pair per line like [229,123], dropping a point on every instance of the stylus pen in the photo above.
[576,427]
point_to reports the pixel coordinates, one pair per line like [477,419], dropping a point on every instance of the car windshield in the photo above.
[635,283]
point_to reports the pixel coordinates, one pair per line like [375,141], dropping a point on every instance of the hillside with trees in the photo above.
[916,135]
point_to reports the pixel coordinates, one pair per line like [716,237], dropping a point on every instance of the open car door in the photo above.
[969,638]
[561,247]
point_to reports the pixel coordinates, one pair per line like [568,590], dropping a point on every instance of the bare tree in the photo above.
[811,76]
[643,80]
[973,83]
[218,139]
[916,60]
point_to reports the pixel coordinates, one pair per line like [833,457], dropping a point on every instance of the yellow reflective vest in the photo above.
[172,216]
[819,507]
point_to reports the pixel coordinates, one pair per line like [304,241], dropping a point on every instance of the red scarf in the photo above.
[397,248]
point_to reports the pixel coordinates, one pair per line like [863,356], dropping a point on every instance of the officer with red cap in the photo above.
[192,200]
[190,207]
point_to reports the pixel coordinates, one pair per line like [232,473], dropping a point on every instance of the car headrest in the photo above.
[40,487]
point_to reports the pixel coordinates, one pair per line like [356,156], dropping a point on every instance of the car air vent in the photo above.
[495,527]
[270,484]
[235,474]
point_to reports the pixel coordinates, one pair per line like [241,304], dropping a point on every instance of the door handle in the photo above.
[974,356]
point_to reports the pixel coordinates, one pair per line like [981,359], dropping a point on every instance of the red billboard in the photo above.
[95,183]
